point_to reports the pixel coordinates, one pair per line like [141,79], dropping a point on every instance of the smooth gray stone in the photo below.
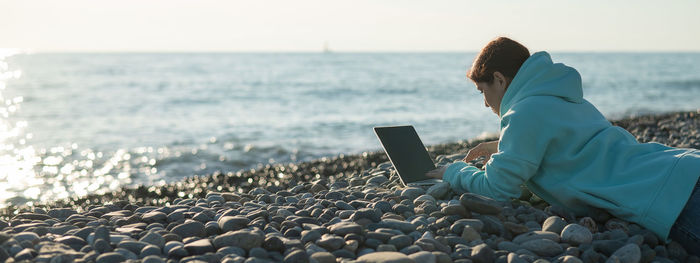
[32,216]
[199,247]
[233,223]
[149,251]
[554,224]
[377,180]
[310,235]
[243,238]
[133,246]
[110,257]
[576,234]
[101,232]
[323,257]
[215,198]
[492,225]
[25,254]
[176,216]
[424,199]
[410,249]
[297,256]
[436,245]
[455,210]
[342,205]
[102,246]
[405,227]
[400,241]
[482,254]
[368,213]
[231,250]
[330,242]
[343,253]
[61,213]
[154,216]
[178,252]
[386,247]
[190,228]
[385,257]
[171,245]
[508,246]
[534,235]
[28,236]
[258,253]
[458,226]
[61,230]
[154,239]
[274,243]
[629,253]
[74,242]
[514,258]
[152,259]
[412,193]
[423,257]
[439,190]
[480,204]
[543,247]
[344,228]
[608,247]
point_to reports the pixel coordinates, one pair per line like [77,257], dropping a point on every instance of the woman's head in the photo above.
[495,67]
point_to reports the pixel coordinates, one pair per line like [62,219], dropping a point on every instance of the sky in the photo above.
[346,26]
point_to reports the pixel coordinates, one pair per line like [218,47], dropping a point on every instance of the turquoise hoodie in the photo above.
[565,151]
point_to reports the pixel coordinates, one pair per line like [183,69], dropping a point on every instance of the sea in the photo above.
[73,124]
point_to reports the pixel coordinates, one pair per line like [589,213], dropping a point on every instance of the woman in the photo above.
[565,151]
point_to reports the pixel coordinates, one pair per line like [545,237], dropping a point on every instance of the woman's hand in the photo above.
[436,173]
[483,149]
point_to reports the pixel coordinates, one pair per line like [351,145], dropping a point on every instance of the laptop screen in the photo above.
[406,152]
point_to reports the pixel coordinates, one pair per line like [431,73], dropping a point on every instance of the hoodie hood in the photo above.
[539,76]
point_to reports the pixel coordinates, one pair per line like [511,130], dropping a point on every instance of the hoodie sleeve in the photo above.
[521,149]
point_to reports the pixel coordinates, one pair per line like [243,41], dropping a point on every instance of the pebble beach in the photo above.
[347,208]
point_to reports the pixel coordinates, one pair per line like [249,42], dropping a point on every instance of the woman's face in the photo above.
[493,92]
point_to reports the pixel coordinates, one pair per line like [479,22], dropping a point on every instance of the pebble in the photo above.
[232,223]
[199,247]
[190,228]
[344,228]
[402,226]
[385,257]
[423,257]
[243,238]
[543,247]
[480,204]
[439,190]
[482,254]
[297,256]
[154,239]
[629,253]
[110,257]
[576,234]
[412,193]
[26,236]
[470,234]
[554,224]
[534,235]
[323,257]
[331,242]
[372,214]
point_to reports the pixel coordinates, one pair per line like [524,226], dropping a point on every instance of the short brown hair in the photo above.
[503,55]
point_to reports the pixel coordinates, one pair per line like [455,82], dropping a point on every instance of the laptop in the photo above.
[407,153]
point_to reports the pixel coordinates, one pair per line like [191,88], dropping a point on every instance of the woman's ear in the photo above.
[500,80]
